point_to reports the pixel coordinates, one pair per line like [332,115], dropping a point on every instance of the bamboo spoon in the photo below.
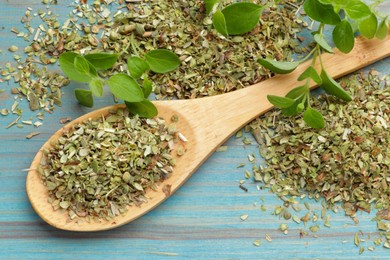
[206,123]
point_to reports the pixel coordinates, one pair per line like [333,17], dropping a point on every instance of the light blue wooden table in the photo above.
[201,220]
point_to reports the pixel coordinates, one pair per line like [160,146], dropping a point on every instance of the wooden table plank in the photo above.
[201,220]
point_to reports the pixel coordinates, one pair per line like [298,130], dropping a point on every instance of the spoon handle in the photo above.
[222,115]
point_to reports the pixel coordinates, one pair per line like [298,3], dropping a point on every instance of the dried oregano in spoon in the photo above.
[100,167]
[348,161]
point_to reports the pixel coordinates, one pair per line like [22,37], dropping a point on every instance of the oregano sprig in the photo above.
[133,88]
[343,16]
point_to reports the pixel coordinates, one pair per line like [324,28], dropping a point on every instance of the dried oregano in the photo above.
[346,165]
[348,161]
[100,167]
[210,63]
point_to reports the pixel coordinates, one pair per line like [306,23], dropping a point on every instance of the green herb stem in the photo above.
[321,28]
[315,52]
[306,99]
[308,55]
[319,55]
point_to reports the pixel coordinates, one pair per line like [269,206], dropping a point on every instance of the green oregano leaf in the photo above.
[102,61]
[209,5]
[311,73]
[96,86]
[343,36]
[144,108]
[241,17]
[280,102]
[368,26]
[321,12]
[336,3]
[298,92]
[67,65]
[136,66]
[219,23]
[280,67]
[319,38]
[81,65]
[333,88]
[313,118]
[162,61]
[126,88]
[147,87]
[84,97]
[381,33]
[357,9]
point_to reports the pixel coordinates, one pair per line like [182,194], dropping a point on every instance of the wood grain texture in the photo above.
[200,221]
[206,123]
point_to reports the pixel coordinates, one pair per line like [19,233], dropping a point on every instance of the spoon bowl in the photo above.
[206,123]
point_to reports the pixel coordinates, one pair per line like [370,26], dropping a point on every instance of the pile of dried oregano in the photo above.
[210,63]
[347,162]
[100,167]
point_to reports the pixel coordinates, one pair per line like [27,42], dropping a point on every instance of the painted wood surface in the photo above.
[201,220]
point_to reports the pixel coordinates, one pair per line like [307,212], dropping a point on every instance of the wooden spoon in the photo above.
[206,123]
